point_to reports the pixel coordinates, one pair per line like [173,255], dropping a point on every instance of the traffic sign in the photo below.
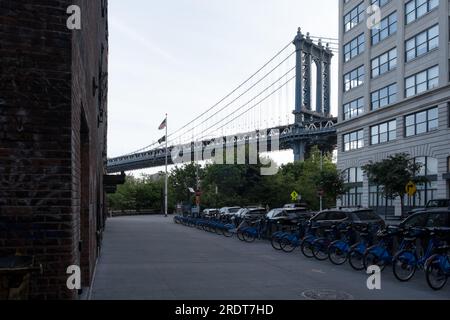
[294,195]
[320,193]
[411,188]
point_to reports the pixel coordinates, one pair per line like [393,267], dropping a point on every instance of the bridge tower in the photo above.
[309,54]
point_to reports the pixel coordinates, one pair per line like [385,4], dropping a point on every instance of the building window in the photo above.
[353,108]
[354,47]
[354,140]
[422,81]
[425,191]
[383,97]
[377,198]
[383,132]
[354,78]
[422,43]
[380,3]
[448,165]
[354,181]
[384,63]
[415,9]
[421,122]
[352,198]
[354,17]
[388,26]
[353,175]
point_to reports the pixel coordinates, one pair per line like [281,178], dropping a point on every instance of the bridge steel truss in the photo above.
[311,127]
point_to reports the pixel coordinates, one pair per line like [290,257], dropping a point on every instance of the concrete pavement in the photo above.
[150,257]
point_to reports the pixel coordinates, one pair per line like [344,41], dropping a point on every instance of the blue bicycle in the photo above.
[338,250]
[437,268]
[306,245]
[290,241]
[255,230]
[380,254]
[407,261]
[357,250]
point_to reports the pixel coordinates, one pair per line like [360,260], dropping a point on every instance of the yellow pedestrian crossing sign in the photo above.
[294,195]
[411,188]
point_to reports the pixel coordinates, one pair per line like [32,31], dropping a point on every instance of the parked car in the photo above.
[433,217]
[361,215]
[253,213]
[435,203]
[228,211]
[289,214]
[210,212]
[296,205]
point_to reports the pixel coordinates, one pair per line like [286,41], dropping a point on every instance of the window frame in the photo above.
[427,121]
[416,7]
[357,12]
[359,109]
[377,33]
[417,85]
[416,46]
[390,96]
[389,60]
[353,144]
[391,133]
[349,83]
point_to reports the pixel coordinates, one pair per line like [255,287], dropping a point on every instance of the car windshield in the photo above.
[274,212]
[234,209]
[366,215]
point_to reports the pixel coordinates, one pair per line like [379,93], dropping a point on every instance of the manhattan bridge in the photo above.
[259,108]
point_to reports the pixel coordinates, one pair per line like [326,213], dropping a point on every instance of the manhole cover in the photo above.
[326,294]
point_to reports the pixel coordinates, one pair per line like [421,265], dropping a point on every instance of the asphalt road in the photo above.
[150,257]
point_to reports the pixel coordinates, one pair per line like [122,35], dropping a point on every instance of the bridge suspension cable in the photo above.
[205,132]
[233,91]
[243,93]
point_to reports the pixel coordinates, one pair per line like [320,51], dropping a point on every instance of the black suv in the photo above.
[358,215]
[435,203]
[434,217]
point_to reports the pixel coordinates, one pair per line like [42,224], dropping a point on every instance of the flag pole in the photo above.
[165,178]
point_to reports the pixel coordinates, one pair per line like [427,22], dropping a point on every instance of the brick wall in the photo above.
[52,137]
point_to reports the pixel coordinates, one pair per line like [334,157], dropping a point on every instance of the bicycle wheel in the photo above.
[226,232]
[356,259]
[404,265]
[306,249]
[249,237]
[286,244]
[320,250]
[336,255]
[240,235]
[436,277]
[275,242]
[371,259]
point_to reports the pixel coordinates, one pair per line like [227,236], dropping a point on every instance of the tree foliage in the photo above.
[393,174]
[235,184]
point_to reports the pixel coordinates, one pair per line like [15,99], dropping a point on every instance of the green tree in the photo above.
[393,174]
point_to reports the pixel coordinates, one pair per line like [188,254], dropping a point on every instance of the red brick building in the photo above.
[53,112]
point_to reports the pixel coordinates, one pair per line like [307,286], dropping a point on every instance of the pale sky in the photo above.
[182,56]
